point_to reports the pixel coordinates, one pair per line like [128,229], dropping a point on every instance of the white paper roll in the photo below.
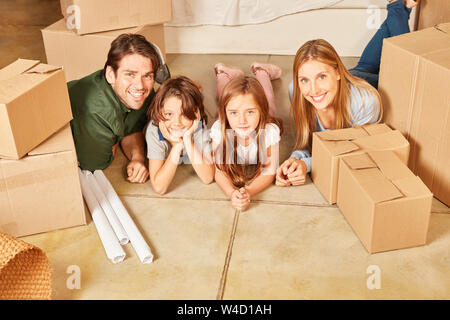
[107,209]
[112,246]
[136,239]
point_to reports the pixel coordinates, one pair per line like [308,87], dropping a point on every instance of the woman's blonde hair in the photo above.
[239,173]
[302,110]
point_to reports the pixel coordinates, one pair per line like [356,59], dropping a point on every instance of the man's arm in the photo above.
[133,147]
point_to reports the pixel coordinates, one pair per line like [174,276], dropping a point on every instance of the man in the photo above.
[109,106]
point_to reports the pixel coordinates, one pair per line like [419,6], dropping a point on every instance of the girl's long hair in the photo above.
[303,112]
[240,174]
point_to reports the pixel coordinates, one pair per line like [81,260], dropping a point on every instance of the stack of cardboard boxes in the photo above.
[39,183]
[80,42]
[364,170]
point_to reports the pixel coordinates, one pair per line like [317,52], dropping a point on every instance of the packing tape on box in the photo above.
[35,176]
[10,228]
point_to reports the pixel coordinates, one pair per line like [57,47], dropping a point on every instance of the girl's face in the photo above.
[177,124]
[318,82]
[243,114]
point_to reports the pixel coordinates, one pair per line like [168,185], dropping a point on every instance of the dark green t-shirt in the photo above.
[100,120]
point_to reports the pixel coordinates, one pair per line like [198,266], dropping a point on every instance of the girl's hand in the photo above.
[167,135]
[240,199]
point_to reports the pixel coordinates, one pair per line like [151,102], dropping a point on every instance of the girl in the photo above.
[325,96]
[245,138]
[175,133]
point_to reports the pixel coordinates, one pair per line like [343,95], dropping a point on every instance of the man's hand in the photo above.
[240,199]
[137,171]
[291,172]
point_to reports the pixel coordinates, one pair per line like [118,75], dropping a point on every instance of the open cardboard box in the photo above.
[415,89]
[91,16]
[41,192]
[83,55]
[34,104]
[387,206]
[329,146]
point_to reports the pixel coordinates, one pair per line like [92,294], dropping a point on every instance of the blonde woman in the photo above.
[325,96]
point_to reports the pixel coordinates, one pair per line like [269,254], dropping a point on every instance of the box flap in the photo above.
[360,161]
[378,187]
[58,142]
[390,165]
[340,147]
[412,187]
[42,69]
[17,67]
[385,141]
[377,128]
[342,134]
[443,27]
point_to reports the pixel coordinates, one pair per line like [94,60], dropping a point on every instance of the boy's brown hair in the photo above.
[184,89]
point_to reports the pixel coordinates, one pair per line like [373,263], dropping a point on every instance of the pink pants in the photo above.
[264,80]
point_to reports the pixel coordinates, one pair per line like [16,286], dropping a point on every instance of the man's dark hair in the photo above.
[130,43]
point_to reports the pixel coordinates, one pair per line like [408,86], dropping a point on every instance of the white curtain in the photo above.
[238,12]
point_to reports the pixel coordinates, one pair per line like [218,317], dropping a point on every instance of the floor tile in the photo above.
[296,252]
[189,244]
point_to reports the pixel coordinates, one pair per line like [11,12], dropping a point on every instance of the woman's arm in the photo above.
[163,171]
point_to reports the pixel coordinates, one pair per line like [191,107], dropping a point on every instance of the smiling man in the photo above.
[109,106]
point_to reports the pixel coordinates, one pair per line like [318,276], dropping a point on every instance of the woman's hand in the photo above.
[291,172]
[240,199]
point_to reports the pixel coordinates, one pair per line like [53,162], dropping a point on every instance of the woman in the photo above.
[325,96]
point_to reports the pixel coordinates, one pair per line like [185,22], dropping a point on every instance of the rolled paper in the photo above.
[109,212]
[110,242]
[140,246]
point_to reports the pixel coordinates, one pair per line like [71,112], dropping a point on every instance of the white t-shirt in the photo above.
[248,154]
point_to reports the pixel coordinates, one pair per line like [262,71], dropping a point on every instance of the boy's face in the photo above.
[133,80]
[177,124]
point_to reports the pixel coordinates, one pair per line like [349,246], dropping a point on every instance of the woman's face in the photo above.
[243,114]
[177,124]
[318,82]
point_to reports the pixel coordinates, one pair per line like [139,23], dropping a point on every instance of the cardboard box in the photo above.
[387,206]
[34,104]
[329,146]
[82,55]
[42,192]
[415,89]
[433,12]
[91,16]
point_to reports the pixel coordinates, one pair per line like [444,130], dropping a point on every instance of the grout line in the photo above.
[273,202]
[223,279]
[142,196]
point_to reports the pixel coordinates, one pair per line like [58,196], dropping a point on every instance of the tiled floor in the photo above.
[290,244]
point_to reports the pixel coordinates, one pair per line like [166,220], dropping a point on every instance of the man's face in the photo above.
[133,80]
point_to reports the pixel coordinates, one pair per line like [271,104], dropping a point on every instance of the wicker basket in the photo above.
[25,272]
